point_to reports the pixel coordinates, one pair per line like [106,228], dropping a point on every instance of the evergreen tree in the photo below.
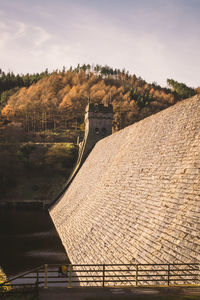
[181,89]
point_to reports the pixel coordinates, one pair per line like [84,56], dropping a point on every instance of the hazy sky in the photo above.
[154,39]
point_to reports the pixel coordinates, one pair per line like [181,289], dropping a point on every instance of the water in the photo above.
[28,239]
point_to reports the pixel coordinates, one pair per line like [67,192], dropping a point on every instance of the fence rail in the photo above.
[108,275]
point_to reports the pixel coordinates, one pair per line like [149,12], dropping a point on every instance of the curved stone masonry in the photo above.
[136,199]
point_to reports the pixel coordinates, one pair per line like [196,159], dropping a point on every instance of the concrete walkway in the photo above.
[115,293]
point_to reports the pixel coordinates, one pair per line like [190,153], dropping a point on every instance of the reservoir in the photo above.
[28,239]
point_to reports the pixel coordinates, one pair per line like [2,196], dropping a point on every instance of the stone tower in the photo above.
[98,124]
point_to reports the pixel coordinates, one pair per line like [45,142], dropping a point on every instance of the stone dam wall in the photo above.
[136,199]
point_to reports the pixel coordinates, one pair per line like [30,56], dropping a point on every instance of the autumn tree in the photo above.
[58,100]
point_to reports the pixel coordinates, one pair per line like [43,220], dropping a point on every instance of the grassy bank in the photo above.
[34,171]
[22,294]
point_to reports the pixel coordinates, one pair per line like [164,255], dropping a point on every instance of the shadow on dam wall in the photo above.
[28,239]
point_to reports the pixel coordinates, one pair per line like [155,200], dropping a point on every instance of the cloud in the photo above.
[19,35]
[21,30]
[28,48]
[41,36]
[154,41]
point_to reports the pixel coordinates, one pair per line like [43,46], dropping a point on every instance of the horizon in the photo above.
[154,39]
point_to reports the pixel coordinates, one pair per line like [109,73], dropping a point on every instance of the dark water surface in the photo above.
[28,239]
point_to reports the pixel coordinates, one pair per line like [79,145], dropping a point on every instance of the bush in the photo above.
[61,156]
[3,278]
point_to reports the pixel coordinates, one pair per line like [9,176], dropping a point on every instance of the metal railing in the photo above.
[109,275]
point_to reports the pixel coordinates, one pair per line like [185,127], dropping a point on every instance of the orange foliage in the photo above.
[60,99]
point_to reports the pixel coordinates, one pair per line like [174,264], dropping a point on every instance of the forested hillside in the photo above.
[58,100]
[11,83]
[42,115]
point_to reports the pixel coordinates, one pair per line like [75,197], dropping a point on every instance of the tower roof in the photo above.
[92,107]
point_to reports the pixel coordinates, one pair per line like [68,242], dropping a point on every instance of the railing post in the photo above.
[103,277]
[37,278]
[70,276]
[45,276]
[67,272]
[136,275]
[168,274]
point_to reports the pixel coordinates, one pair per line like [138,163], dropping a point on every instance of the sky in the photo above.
[154,39]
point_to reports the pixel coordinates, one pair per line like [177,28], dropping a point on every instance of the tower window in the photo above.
[97,130]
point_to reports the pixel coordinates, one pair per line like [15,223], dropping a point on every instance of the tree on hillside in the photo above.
[182,90]
[197,90]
